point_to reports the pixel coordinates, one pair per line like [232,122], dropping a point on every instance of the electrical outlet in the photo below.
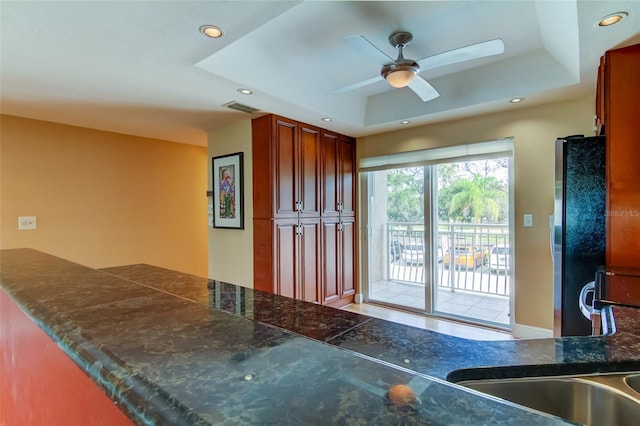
[26,222]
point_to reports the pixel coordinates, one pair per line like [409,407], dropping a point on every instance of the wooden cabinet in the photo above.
[621,89]
[338,160]
[338,218]
[295,239]
[303,175]
[338,266]
[286,168]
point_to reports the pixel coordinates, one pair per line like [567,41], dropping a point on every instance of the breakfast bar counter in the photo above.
[171,348]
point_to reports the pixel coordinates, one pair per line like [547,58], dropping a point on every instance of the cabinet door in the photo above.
[284,254]
[330,261]
[338,262]
[347,258]
[308,176]
[330,170]
[284,140]
[347,177]
[309,260]
[622,91]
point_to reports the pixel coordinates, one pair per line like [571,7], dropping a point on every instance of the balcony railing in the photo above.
[470,257]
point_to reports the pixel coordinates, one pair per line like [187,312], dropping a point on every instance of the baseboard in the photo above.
[521,331]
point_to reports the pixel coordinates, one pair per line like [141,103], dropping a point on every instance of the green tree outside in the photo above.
[471,192]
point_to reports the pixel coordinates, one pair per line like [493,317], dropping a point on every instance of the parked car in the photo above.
[499,257]
[413,254]
[469,257]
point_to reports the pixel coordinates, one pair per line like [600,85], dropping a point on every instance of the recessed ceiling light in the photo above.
[327,119]
[211,31]
[612,19]
[245,91]
[516,100]
[405,122]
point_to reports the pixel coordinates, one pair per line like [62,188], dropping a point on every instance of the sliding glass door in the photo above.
[439,238]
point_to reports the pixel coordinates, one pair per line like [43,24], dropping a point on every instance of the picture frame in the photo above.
[228,191]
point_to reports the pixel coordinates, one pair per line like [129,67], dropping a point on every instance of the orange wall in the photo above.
[103,199]
[40,383]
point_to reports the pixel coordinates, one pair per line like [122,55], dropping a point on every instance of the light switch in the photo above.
[528,220]
[26,222]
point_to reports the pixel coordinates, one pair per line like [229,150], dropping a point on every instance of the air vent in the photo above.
[241,107]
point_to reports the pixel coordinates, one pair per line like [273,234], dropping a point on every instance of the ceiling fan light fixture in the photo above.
[399,75]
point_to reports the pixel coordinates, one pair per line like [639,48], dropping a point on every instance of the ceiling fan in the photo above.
[403,72]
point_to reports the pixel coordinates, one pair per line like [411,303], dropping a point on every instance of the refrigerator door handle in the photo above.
[585,307]
[551,235]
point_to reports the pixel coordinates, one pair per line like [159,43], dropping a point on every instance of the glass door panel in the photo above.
[399,260]
[473,232]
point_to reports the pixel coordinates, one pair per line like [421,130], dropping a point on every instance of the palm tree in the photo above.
[476,198]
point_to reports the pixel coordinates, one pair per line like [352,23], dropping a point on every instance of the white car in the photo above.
[413,254]
[499,257]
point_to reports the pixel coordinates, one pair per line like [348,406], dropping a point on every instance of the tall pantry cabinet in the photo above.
[304,211]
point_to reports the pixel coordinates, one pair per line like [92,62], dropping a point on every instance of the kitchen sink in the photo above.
[603,399]
[633,381]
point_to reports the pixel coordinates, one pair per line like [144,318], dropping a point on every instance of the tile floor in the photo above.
[453,328]
[483,307]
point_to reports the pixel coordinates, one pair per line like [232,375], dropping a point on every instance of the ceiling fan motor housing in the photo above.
[400,38]
[401,72]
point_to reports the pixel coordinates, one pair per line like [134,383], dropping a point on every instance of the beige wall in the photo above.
[231,250]
[534,130]
[103,199]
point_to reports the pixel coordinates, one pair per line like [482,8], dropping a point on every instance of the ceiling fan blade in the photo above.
[357,85]
[474,51]
[363,45]
[423,89]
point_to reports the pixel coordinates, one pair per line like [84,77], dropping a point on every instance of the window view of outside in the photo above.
[471,242]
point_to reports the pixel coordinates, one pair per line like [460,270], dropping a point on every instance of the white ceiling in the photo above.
[143,67]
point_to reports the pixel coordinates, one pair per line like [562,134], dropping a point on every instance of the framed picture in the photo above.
[228,201]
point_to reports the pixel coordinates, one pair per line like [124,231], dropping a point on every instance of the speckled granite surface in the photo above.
[176,349]
[424,351]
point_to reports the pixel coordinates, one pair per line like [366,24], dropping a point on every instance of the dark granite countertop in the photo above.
[175,349]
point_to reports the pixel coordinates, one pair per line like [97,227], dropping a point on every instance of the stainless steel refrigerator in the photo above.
[579,223]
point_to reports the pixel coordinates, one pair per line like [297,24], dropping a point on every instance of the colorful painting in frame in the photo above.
[228,202]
